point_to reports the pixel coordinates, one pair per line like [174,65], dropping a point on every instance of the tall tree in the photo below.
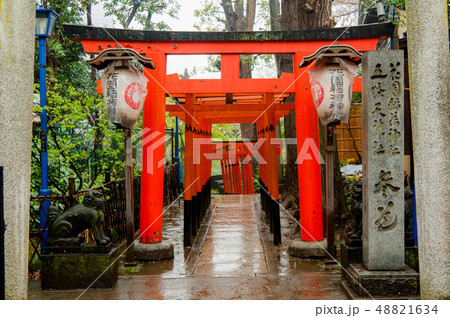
[298,15]
[141,11]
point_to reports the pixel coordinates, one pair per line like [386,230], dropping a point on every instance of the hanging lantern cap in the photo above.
[105,57]
[342,51]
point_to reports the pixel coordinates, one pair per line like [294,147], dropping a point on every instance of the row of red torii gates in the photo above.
[230,99]
[236,166]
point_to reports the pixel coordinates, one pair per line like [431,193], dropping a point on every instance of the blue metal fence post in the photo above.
[43,212]
[414,218]
[2,239]
[177,149]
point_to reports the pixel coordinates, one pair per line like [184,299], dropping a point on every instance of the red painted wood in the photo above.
[357,85]
[357,88]
[248,167]
[262,151]
[225,47]
[243,85]
[197,167]
[229,64]
[271,152]
[310,193]
[245,189]
[189,152]
[232,120]
[236,108]
[239,177]
[230,176]
[152,179]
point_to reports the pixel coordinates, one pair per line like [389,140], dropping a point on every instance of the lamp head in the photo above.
[381,13]
[45,22]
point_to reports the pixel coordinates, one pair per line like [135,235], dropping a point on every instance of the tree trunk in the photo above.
[306,14]
[299,15]
[136,5]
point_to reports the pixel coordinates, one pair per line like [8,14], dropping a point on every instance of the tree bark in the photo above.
[136,5]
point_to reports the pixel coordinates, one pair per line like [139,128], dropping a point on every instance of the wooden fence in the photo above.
[349,136]
[114,211]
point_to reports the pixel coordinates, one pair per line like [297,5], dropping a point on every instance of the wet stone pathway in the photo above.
[233,245]
[232,257]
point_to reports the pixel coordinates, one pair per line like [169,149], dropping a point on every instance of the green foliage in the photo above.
[256,181]
[80,143]
[146,9]
[347,162]
[114,235]
[226,132]
[75,128]
[349,186]
[357,98]
[67,58]
[263,15]
[349,182]
[211,17]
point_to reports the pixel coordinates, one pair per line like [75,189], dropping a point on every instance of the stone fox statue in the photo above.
[64,228]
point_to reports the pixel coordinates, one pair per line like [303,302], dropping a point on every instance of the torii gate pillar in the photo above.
[309,180]
[152,179]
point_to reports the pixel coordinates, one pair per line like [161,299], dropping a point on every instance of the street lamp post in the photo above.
[45,24]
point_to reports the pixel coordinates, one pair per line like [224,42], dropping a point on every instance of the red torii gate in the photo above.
[209,101]
[200,117]
[235,162]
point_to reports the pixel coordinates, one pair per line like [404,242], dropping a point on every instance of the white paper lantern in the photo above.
[124,91]
[331,87]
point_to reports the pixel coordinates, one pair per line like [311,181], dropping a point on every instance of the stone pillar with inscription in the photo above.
[383,167]
[383,272]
